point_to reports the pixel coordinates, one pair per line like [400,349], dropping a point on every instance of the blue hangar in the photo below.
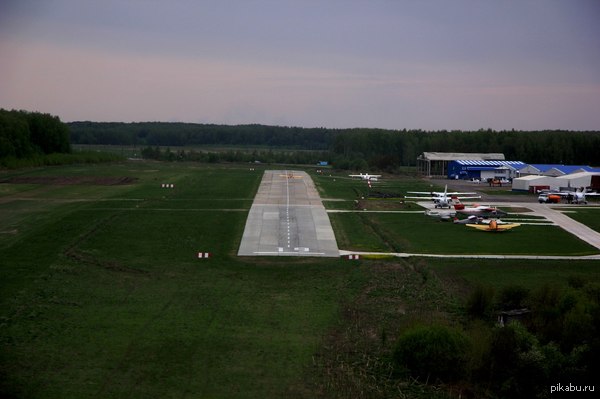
[483,170]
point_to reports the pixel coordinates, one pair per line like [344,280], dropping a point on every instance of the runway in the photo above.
[287,218]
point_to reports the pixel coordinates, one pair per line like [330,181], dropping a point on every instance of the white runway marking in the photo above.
[287,218]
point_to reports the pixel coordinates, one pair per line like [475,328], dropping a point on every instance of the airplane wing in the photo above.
[507,226]
[425,193]
[423,198]
[462,198]
[457,193]
[499,227]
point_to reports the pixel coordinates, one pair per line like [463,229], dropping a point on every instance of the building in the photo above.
[553,169]
[534,183]
[436,163]
[576,180]
[483,170]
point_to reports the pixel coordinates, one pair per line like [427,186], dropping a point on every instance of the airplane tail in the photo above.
[459,206]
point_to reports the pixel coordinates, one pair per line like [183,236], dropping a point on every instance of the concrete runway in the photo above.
[287,218]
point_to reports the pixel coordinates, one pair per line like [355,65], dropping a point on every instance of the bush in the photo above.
[512,297]
[432,353]
[479,303]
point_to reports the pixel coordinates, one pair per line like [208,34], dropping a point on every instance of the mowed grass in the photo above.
[590,216]
[416,233]
[103,296]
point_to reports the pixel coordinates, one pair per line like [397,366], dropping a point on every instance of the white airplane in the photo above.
[366,176]
[473,219]
[442,199]
[577,196]
[444,216]
[479,210]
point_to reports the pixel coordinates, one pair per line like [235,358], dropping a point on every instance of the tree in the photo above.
[23,134]
[432,353]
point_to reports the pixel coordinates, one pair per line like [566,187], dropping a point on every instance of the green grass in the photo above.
[415,233]
[102,295]
[588,216]
[526,273]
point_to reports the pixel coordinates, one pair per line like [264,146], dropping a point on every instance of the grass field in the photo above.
[102,294]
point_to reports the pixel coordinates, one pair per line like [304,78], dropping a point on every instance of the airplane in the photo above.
[473,219]
[493,226]
[441,199]
[367,176]
[479,210]
[444,216]
[577,196]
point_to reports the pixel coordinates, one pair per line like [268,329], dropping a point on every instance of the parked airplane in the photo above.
[366,176]
[479,210]
[444,216]
[473,219]
[441,199]
[577,196]
[494,226]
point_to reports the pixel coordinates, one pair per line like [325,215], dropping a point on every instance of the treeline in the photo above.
[190,134]
[27,134]
[299,157]
[383,149]
[353,148]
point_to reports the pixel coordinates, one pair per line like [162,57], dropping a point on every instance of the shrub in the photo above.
[512,297]
[431,353]
[479,303]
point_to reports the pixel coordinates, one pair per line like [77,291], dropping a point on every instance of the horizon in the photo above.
[434,65]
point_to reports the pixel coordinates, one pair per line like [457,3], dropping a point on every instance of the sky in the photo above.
[392,64]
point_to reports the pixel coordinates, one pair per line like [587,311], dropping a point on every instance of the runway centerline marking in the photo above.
[304,224]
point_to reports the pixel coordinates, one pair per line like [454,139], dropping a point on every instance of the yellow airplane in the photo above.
[494,226]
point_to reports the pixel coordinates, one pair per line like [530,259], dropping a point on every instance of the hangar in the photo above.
[483,170]
[580,179]
[436,163]
[532,183]
[553,169]
[535,183]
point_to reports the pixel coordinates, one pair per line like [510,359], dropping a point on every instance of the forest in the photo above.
[30,139]
[353,148]
[24,134]
[31,134]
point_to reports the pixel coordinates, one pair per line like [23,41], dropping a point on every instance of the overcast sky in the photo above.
[445,64]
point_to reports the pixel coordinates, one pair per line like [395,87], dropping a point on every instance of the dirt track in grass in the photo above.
[71,180]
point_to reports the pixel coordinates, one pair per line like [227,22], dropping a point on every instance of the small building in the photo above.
[483,169]
[436,163]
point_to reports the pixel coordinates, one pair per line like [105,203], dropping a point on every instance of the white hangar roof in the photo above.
[453,156]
